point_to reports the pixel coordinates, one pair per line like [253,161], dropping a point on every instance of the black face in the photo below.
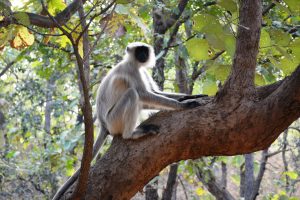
[141,53]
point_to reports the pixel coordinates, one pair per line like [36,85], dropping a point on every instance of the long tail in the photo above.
[97,145]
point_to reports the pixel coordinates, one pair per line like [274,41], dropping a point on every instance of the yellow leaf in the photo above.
[70,172]
[23,38]
[55,6]
[63,41]
[26,36]
[199,191]
[80,48]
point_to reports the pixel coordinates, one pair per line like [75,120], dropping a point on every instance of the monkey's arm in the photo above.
[186,97]
[180,96]
[170,95]
[177,96]
[162,102]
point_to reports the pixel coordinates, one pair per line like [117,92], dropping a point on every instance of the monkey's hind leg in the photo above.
[122,118]
[145,129]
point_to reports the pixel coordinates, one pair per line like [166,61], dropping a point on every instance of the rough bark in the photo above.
[284,160]
[262,168]
[161,24]
[181,74]
[171,183]
[224,174]
[241,79]
[85,105]
[211,129]
[237,121]
[84,76]
[242,181]
[249,176]
[151,191]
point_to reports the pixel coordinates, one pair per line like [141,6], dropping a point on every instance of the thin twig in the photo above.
[49,44]
[183,187]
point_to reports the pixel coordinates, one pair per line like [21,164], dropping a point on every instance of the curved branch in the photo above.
[241,80]
[209,130]
[46,22]
[43,21]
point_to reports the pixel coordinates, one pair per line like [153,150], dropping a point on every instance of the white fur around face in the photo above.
[151,61]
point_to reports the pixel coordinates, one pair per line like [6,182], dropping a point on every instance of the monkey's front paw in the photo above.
[191,97]
[191,104]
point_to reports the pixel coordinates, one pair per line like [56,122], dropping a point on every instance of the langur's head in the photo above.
[141,53]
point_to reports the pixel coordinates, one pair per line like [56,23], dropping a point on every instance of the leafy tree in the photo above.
[245,55]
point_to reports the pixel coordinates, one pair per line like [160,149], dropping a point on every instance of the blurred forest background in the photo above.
[41,123]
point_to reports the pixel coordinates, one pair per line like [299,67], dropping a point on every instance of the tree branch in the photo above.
[241,126]
[210,182]
[217,130]
[84,104]
[10,64]
[241,79]
[262,168]
[268,8]
[46,22]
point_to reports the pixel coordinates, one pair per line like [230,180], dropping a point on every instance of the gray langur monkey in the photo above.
[123,93]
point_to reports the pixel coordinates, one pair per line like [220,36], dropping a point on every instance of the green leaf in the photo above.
[209,86]
[123,1]
[229,5]
[64,41]
[198,49]
[213,26]
[203,20]
[280,37]
[70,167]
[237,160]
[215,41]
[288,65]
[292,174]
[22,18]
[265,40]
[6,35]
[295,47]
[259,80]
[55,6]
[229,41]
[220,72]
[12,154]
[293,5]
[5,7]
[283,52]
[44,72]
[199,22]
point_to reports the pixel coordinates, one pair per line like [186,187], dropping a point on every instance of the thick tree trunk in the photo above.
[208,130]
[241,119]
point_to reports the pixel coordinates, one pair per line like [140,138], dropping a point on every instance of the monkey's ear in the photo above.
[128,49]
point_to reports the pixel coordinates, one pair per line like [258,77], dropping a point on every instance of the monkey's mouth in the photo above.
[142,57]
